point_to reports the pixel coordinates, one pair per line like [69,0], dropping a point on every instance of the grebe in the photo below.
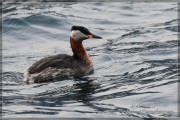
[62,65]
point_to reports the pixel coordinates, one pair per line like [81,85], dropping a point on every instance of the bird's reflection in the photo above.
[82,91]
[85,88]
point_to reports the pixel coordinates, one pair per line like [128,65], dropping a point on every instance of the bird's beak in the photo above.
[94,36]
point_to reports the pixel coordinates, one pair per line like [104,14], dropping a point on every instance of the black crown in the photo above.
[82,29]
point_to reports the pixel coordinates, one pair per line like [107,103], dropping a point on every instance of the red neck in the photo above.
[79,52]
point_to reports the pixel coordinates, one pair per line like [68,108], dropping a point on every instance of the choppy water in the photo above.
[135,63]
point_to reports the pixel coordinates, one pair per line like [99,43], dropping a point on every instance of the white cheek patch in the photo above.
[77,35]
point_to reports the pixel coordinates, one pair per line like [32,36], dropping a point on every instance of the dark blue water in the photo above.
[135,64]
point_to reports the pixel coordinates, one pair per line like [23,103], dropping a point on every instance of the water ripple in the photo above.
[135,63]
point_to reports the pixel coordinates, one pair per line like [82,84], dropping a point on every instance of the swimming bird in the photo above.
[62,65]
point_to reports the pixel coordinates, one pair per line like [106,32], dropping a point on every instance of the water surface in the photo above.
[135,64]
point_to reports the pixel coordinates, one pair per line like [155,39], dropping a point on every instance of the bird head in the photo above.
[80,33]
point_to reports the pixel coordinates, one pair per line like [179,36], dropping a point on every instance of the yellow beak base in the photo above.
[90,36]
